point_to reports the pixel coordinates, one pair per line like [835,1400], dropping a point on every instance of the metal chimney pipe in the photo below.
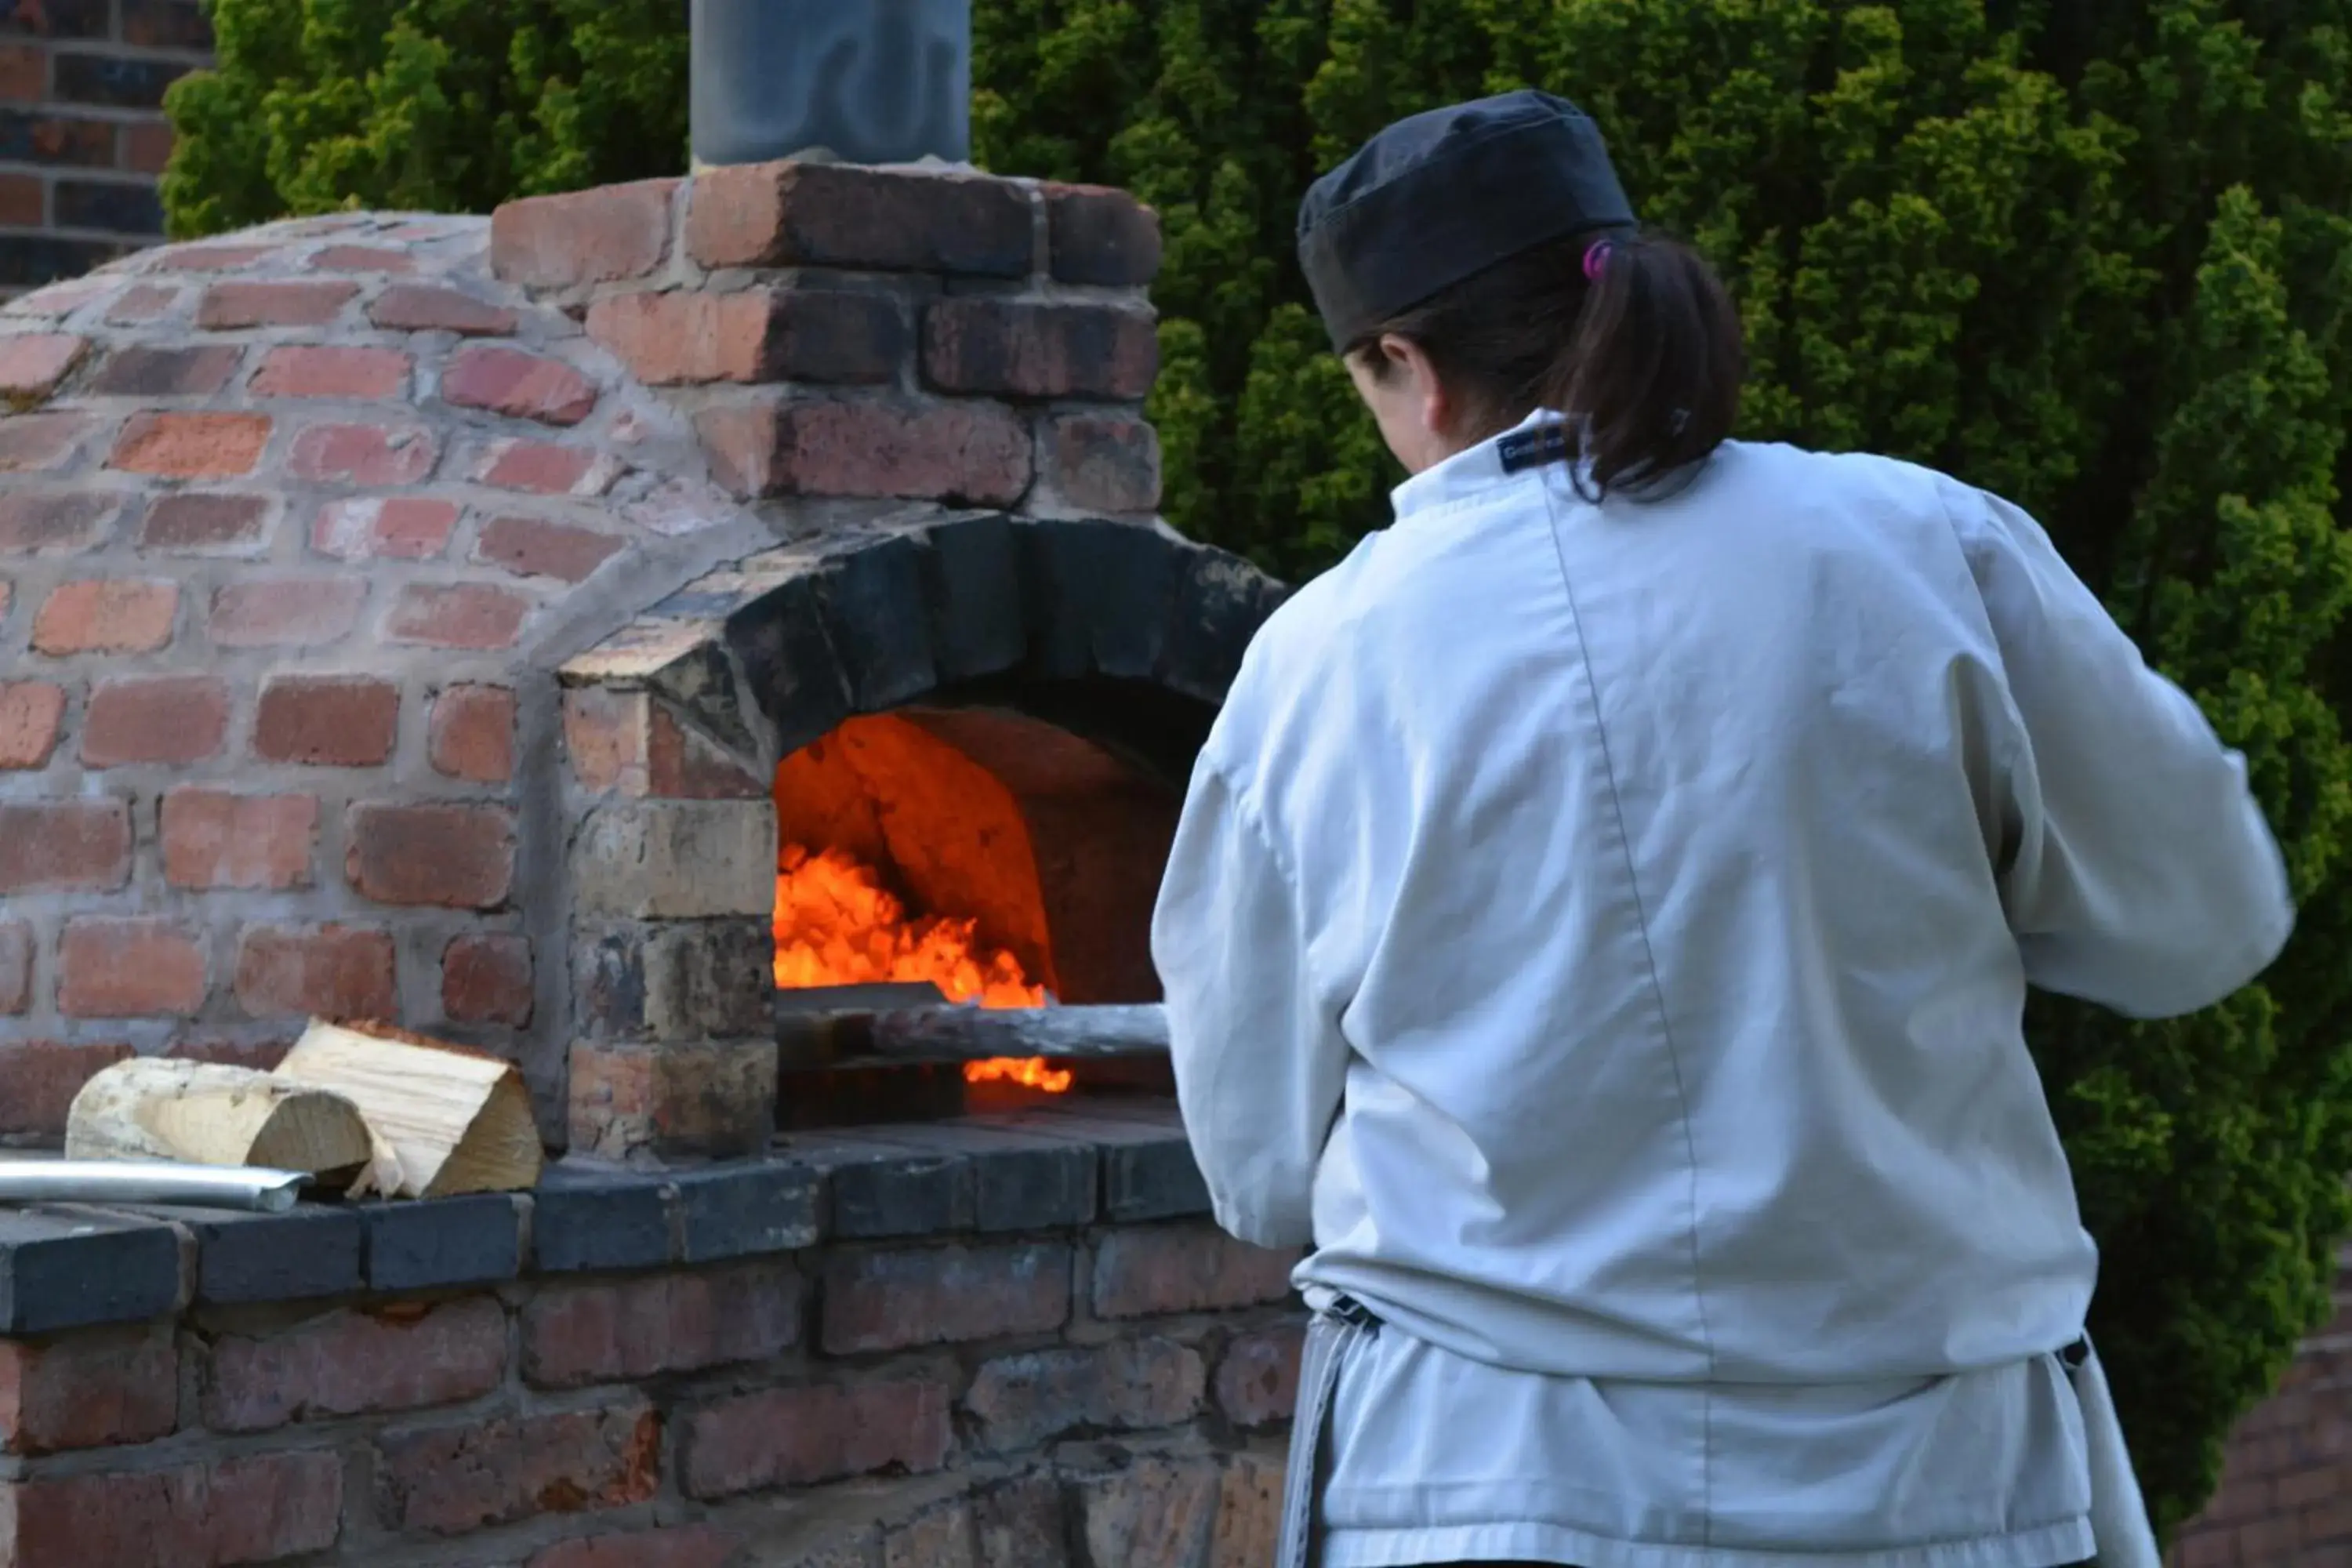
[853,81]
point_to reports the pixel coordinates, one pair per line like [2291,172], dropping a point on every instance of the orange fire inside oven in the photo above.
[837,925]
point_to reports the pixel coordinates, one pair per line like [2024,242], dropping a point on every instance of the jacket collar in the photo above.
[1468,473]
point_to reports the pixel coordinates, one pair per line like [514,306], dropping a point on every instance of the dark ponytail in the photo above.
[1635,337]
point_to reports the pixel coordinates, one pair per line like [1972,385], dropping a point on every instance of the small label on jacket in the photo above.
[1532,448]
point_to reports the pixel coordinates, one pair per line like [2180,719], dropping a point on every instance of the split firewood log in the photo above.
[444,1120]
[206,1113]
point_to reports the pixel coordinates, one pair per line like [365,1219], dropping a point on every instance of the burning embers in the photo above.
[837,924]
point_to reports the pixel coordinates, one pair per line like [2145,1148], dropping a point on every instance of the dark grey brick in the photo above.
[292,1257]
[587,1220]
[120,206]
[780,636]
[67,1270]
[1103,596]
[1148,1170]
[746,1209]
[117,81]
[470,1241]
[980,622]
[1021,1180]
[883,1189]
[1220,606]
[884,652]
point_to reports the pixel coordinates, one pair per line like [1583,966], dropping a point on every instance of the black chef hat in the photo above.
[1441,195]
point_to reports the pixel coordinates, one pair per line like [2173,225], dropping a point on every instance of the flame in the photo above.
[837,924]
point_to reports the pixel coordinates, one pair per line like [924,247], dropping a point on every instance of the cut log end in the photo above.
[446,1120]
[206,1113]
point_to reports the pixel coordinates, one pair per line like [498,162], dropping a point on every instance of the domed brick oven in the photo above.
[434,621]
[620,633]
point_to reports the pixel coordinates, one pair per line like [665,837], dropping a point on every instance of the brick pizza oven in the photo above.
[453,622]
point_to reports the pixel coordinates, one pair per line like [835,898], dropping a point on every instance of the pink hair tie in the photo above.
[1596,256]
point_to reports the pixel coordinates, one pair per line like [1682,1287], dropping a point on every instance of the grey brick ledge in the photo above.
[65,1266]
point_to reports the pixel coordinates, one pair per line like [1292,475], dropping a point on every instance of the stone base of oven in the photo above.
[999,1342]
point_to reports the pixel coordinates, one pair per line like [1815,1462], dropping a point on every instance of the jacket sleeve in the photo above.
[2142,876]
[1259,1063]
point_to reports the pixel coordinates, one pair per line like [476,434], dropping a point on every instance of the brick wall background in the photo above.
[82,133]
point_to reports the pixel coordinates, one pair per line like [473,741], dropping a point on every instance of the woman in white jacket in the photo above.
[1602,916]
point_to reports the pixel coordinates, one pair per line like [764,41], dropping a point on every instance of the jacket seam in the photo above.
[1657,997]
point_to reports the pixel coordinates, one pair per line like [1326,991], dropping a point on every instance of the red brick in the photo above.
[598,236]
[260,1509]
[23,201]
[943,1295]
[755,335]
[201,257]
[370,455]
[17,944]
[485,978]
[258,1055]
[1144,1270]
[226,307]
[396,528]
[215,839]
[144,371]
[340,973]
[542,467]
[192,446]
[34,523]
[156,719]
[89,1391]
[1006,348]
[356,1363]
[198,524]
[301,370]
[58,300]
[287,612]
[472,735]
[817,215]
[1249,1512]
[147,146]
[684,764]
[32,363]
[31,714]
[1257,1383]
[795,1437]
[534,547]
[29,442]
[605,736]
[447,1480]
[1155,1512]
[1100,237]
[914,451]
[629,1330]
[361,259]
[24,73]
[143,302]
[418,307]
[457,615]
[680,1546]
[452,856]
[67,845]
[674,339]
[326,720]
[106,616]
[1020,1401]
[128,969]
[518,384]
[1100,462]
[713,1098]
[38,1080]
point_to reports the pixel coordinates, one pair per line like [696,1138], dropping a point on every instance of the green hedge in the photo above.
[2089,253]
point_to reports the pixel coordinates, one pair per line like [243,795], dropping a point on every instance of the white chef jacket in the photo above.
[1603,930]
